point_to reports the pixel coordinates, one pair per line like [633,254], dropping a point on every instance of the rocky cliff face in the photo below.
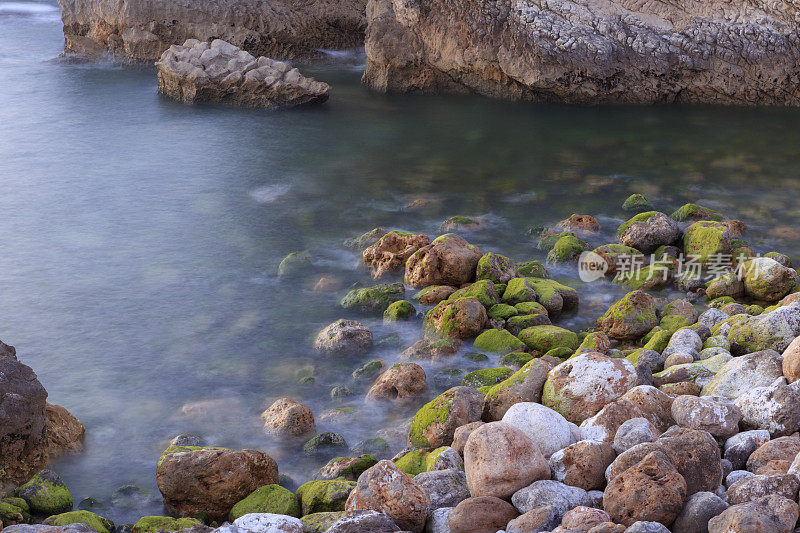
[588,51]
[142,29]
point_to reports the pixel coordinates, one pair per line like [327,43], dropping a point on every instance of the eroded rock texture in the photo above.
[588,51]
[142,29]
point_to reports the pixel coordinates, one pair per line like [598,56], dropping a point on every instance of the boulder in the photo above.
[482,514]
[496,268]
[445,488]
[631,317]
[553,493]
[791,361]
[741,374]
[221,72]
[500,459]
[64,431]
[545,338]
[768,280]
[462,319]
[269,522]
[435,423]
[721,419]
[524,385]
[387,489]
[197,480]
[46,494]
[347,468]
[324,496]
[773,514]
[775,408]
[584,518]
[448,260]
[780,449]
[364,522]
[706,240]
[375,299]
[389,254]
[758,486]
[546,428]
[632,432]
[773,330]
[344,337]
[582,464]
[739,447]
[272,499]
[537,520]
[698,510]
[461,435]
[401,383]
[288,418]
[647,231]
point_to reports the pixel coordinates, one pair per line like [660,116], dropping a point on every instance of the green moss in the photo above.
[502,311]
[674,322]
[532,269]
[695,212]
[624,311]
[459,223]
[153,524]
[530,308]
[647,277]
[547,242]
[486,376]
[98,523]
[545,338]
[515,359]
[501,288]
[350,468]
[722,301]
[46,494]
[658,342]
[481,290]
[567,248]
[717,341]
[370,370]
[641,217]
[636,202]
[497,341]
[324,496]
[705,239]
[754,310]
[561,352]
[492,267]
[413,462]
[399,310]
[267,499]
[429,289]
[321,522]
[375,299]
[294,264]
[367,239]
[435,411]
[12,514]
[590,343]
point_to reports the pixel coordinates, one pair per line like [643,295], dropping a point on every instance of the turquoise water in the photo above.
[140,237]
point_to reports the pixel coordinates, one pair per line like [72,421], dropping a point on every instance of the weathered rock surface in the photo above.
[141,30]
[401,383]
[390,253]
[483,514]
[344,336]
[617,51]
[448,260]
[286,418]
[220,72]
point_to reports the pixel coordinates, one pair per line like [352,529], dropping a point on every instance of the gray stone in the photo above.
[739,447]
[632,432]
[446,488]
[365,522]
[701,507]
[548,492]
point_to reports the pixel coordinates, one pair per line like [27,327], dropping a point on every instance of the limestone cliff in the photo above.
[142,29]
[588,51]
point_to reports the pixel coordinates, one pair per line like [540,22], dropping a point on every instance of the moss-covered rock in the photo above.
[728,284]
[413,462]
[496,268]
[433,294]
[722,301]
[96,522]
[477,357]
[647,231]
[460,223]
[375,299]
[482,290]
[533,269]
[46,494]
[399,310]
[365,240]
[294,264]
[548,240]
[706,240]
[567,248]
[768,280]
[369,370]
[324,443]
[554,296]
[783,259]
[545,338]
[433,425]
[596,341]
[652,277]
[673,323]
[267,499]
[321,522]
[11,514]
[561,352]
[497,341]
[690,211]
[501,311]
[153,524]
[631,317]
[636,202]
[515,360]
[772,330]
[374,446]
[615,255]
[324,496]
[486,376]
[530,308]
[348,468]
[462,318]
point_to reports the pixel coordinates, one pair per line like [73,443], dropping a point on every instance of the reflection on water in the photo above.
[141,236]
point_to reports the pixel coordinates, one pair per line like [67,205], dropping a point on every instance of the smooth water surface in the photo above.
[140,237]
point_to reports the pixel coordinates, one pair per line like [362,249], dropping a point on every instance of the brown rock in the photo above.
[697,457]
[64,431]
[401,383]
[791,361]
[286,418]
[461,435]
[583,518]
[389,255]
[387,489]
[608,527]
[782,448]
[582,464]
[344,337]
[630,458]
[651,491]
[462,318]
[776,466]
[434,295]
[448,260]
[580,224]
[772,514]
[211,480]
[432,349]
[604,425]
[755,487]
[681,388]
[655,405]
[482,514]
[500,459]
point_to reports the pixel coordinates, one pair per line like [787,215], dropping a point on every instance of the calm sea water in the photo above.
[140,237]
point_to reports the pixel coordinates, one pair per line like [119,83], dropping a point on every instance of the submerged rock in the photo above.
[221,72]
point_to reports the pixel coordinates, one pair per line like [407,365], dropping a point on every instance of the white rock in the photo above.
[269,523]
[548,492]
[546,428]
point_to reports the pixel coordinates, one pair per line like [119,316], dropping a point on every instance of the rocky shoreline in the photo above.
[667,415]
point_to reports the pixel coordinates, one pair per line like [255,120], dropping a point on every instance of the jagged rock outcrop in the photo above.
[142,29]
[605,51]
[221,72]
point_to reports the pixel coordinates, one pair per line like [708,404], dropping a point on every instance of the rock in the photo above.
[583,518]
[482,514]
[696,455]
[46,494]
[632,432]
[739,447]
[97,523]
[486,377]
[705,239]
[269,523]
[566,248]
[364,522]
[497,341]
[221,72]
[775,408]
[754,487]
[636,202]
[553,296]
[721,419]
[462,319]
[272,499]
[448,260]
[211,480]
[537,520]
[482,290]
[401,383]
[548,430]
[766,279]
[548,492]
[446,488]
[348,468]
[365,240]
[461,435]
[773,330]
[735,476]
[582,464]
[647,231]
[434,294]
[646,527]
[324,496]
[427,348]
[320,522]
[375,299]
[400,310]
[500,459]
[579,387]
[545,338]
[64,432]
[369,370]
[439,520]
[756,516]
[698,510]
[653,490]
[387,489]
[631,317]
[783,448]
[294,264]
[344,337]
[154,524]
[525,385]
[791,361]
[436,422]
[325,443]
[496,268]
[286,418]
[389,254]
[23,437]
[741,374]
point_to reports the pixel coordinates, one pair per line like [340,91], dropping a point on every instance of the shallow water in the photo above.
[140,237]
